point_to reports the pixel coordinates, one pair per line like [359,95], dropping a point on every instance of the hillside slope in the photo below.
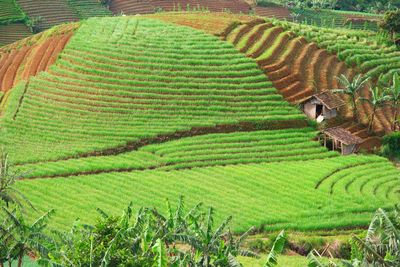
[30,56]
[133,7]
[136,109]
[50,12]
[105,73]
[299,68]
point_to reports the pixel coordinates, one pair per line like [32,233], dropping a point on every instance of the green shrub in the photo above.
[259,245]
[391,145]
[345,250]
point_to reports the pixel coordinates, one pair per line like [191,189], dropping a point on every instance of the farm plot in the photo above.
[213,23]
[198,151]
[121,81]
[10,12]
[152,6]
[28,57]
[240,148]
[365,51]
[297,65]
[358,48]
[50,12]
[88,8]
[278,12]
[13,32]
[276,195]
[136,109]
[335,19]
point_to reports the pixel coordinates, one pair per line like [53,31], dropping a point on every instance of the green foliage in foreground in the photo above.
[149,238]
[380,248]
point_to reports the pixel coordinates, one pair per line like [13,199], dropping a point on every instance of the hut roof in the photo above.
[343,136]
[328,99]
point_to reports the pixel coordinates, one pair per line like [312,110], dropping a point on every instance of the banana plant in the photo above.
[394,98]
[380,248]
[277,248]
[378,99]
[352,88]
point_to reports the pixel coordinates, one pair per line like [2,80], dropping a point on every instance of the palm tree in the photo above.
[18,237]
[8,177]
[178,238]
[381,246]
[26,237]
[378,99]
[351,88]
[277,248]
[394,97]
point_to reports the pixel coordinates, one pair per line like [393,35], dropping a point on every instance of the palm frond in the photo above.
[367,248]
[161,253]
[314,261]
[277,248]
[233,262]
[221,228]
[389,228]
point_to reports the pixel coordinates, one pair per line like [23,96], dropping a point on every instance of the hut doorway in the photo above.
[318,110]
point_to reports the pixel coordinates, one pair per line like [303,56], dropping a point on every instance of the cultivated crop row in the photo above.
[281,195]
[301,60]
[365,50]
[129,161]
[143,79]
[24,59]
[200,151]
[240,148]
[204,21]
[13,32]
[9,12]
[51,12]
[152,6]
[88,8]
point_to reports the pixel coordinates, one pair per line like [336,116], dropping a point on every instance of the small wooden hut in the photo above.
[323,105]
[342,140]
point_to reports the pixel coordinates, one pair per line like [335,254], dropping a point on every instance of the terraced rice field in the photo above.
[31,56]
[117,76]
[273,12]
[13,32]
[278,195]
[137,109]
[299,65]
[213,23]
[366,52]
[150,6]
[51,12]
[198,151]
[88,8]
[336,19]
[362,49]
[9,11]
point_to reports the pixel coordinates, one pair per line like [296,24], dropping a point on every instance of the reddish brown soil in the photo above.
[11,72]
[220,24]
[21,63]
[298,69]
[273,12]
